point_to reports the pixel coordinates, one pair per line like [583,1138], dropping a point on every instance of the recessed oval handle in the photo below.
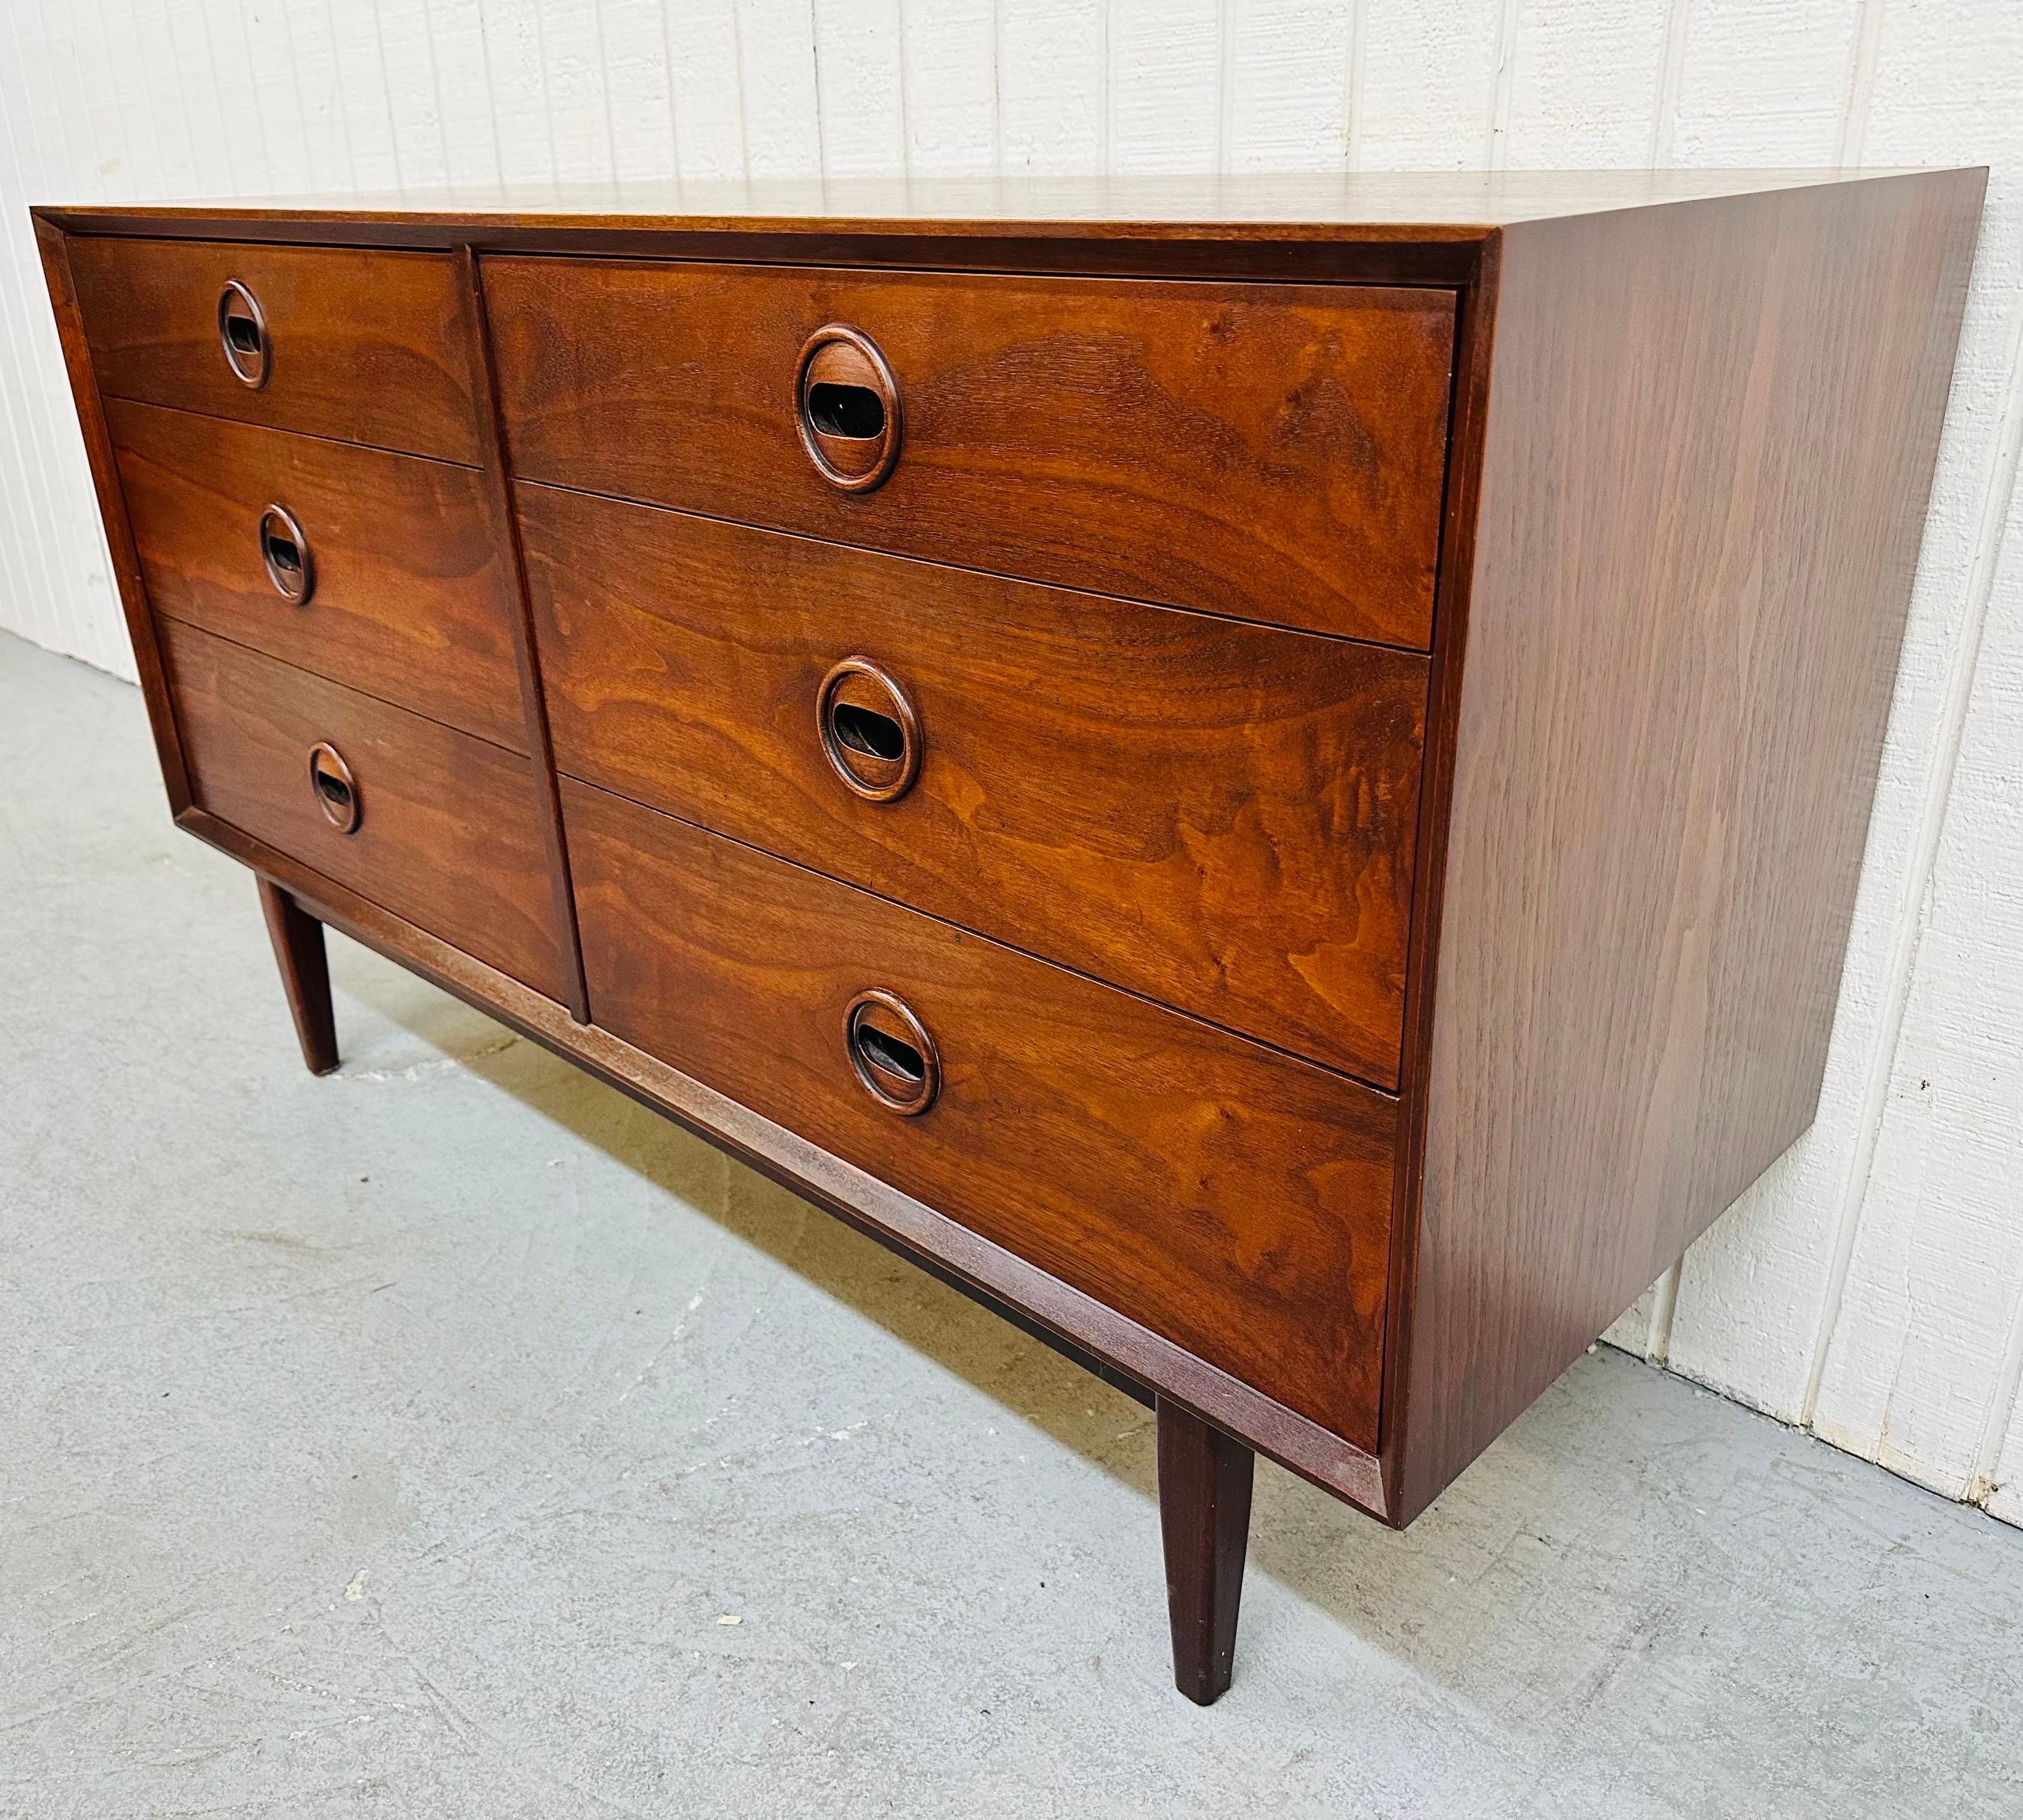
[855,412]
[334,788]
[241,332]
[284,552]
[847,404]
[891,1054]
[870,733]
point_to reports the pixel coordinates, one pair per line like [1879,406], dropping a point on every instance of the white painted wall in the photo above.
[1872,1286]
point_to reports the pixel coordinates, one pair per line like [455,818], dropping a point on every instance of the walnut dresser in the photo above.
[1267,776]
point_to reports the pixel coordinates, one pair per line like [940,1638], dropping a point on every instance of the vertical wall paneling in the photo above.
[1920,1360]
[1165,86]
[1284,96]
[1796,1298]
[861,85]
[1922,1346]
[1861,82]
[1645,1327]
[25,556]
[1671,70]
[1753,1332]
[707,77]
[777,72]
[575,102]
[2006,1490]
[948,53]
[639,97]
[277,101]
[365,93]
[1052,70]
[522,128]
[1922,1350]
[1428,83]
[416,154]
[56,569]
[1872,1284]
[1773,78]
[1585,84]
[1631,1330]
[462,77]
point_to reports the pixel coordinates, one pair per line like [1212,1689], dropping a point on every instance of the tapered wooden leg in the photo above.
[1205,1519]
[298,939]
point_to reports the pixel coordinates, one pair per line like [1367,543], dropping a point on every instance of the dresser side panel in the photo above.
[1710,442]
[53,246]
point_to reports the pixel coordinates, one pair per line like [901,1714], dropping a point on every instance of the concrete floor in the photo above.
[404,1443]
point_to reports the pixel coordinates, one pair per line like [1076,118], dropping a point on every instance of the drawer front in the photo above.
[447,833]
[1273,451]
[398,587]
[1216,814]
[1230,1197]
[362,346]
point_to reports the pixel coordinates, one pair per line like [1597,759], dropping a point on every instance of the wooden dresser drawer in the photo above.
[360,345]
[1216,814]
[447,833]
[1233,1199]
[398,585]
[1273,452]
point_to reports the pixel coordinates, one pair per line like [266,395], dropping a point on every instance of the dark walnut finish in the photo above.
[445,832]
[1273,452]
[505,538]
[364,346]
[411,599]
[1323,1041]
[1204,1480]
[304,970]
[1649,874]
[1218,815]
[1236,1201]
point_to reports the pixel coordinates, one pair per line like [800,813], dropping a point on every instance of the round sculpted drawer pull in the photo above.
[892,1053]
[284,552]
[846,403]
[241,332]
[869,732]
[335,790]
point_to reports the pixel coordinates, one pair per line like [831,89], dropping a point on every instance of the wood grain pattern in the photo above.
[497,494]
[1273,454]
[1217,815]
[1234,1200]
[1412,227]
[411,600]
[449,838]
[1474,348]
[1269,206]
[148,663]
[1692,443]
[368,347]
[909,1227]
[1692,565]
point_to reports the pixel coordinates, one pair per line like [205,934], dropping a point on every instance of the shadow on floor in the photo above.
[1611,1508]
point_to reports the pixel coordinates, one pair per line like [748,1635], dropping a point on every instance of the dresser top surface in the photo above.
[1381,206]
